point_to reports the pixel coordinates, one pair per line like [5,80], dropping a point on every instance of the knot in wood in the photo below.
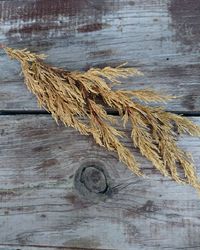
[93,182]
[94,179]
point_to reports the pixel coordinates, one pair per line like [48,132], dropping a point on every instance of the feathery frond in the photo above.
[69,96]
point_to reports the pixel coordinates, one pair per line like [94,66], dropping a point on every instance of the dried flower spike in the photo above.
[69,96]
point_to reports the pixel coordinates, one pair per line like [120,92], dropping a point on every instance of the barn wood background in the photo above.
[58,189]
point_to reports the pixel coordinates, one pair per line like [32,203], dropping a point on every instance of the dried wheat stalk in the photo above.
[68,96]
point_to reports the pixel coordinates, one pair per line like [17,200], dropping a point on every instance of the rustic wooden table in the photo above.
[58,189]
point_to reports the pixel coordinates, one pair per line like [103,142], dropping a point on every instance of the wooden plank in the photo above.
[161,38]
[41,205]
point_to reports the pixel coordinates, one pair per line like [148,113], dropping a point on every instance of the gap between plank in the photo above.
[110,112]
[53,247]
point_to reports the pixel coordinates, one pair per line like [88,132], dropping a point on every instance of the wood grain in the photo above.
[41,207]
[16,247]
[161,38]
[58,189]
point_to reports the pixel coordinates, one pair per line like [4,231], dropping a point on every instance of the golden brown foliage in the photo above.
[69,96]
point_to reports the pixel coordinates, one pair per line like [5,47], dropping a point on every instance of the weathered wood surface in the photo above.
[41,206]
[161,38]
[58,190]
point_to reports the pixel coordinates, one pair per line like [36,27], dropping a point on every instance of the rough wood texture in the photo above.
[159,37]
[60,191]
[40,205]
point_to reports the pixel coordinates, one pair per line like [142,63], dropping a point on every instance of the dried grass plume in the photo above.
[69,96]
